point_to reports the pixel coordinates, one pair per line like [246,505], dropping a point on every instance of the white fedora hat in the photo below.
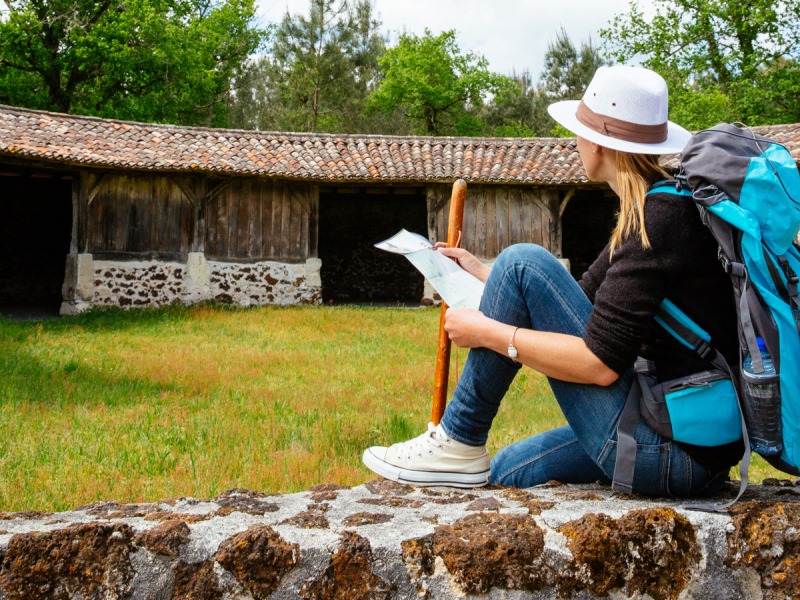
[624,108]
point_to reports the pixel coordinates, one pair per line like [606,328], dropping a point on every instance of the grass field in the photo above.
[150,404]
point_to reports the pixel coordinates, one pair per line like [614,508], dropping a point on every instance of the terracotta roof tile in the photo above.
[90,141]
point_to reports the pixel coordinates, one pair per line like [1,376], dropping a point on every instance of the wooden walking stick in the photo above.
[454,223]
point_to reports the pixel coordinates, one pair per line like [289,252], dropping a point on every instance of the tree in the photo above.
[318,72]
[510,112]
[434,83]
[723,59]
[567,72]
[567,69]
[151,60]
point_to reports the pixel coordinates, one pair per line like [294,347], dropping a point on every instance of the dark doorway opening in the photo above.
[353,270]
[586,227]
[35,233]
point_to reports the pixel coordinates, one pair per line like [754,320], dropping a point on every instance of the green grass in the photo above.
[190,401]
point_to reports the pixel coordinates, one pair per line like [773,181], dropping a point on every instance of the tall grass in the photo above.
[190,401]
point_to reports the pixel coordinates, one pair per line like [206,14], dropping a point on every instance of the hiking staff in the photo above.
[454,222]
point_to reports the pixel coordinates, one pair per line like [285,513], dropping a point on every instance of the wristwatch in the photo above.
[512,349]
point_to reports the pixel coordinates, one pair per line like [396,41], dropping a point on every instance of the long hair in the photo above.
[635,173]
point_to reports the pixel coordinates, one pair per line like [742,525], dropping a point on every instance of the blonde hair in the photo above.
[635,173]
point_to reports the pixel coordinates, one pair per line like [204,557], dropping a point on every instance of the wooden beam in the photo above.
[92,192]
[563,206]
[187,191]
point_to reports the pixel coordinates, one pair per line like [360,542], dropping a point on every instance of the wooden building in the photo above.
[101,212]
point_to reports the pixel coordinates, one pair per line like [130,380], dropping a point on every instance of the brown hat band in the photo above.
[622,130]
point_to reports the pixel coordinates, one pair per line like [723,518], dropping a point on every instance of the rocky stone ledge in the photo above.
[386,540]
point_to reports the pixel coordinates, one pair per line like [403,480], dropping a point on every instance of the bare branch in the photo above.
[8,63]
[100,12]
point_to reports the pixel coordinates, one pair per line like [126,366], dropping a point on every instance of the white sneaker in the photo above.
[431,459]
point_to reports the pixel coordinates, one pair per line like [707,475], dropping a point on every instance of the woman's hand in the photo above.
[466,261]
[466,327]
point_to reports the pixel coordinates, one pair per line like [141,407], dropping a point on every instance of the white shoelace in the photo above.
[420,444]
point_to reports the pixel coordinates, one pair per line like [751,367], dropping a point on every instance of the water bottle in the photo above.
[762,404]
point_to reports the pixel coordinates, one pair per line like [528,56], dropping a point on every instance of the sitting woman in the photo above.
[585,336]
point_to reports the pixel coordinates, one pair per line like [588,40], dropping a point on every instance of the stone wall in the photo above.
[90,283]
[385,540]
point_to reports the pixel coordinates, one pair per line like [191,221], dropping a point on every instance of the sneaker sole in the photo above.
[424,478]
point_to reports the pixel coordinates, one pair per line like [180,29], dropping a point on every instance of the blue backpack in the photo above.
[747,189]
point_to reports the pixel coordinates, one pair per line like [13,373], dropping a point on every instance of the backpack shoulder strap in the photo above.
[670,186]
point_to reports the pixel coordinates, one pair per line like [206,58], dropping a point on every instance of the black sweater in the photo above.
[626,291]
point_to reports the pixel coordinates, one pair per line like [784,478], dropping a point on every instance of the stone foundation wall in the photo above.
[92,283]
[136,284]
[385,540]
[262,283]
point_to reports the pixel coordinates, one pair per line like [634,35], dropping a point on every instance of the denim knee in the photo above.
[522,253]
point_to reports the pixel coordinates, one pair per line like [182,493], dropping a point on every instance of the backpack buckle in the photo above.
[642,366]
[724,261]
[681,181]
[791,276]
[704,349]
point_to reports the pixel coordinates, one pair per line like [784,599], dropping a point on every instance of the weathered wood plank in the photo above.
[276,220]
[212,224]
[265,200]
[286,221]
[491,222]
[502,234]
[515,216]
[243,201]
[295,223]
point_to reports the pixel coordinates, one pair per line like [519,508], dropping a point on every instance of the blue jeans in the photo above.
[529,288]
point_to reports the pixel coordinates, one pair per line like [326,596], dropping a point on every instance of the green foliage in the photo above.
[724,60]
[434,83]
[567,69]
[150,60]
[318,71]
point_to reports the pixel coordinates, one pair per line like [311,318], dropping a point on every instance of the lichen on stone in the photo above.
[487,550]
[485,504]
[388,487]
[581,495]
[393,501]
[419,560]
[308,519]
[168,515]
[165,538]
[326,492]
[349,574]
[366,518]
[438,497]
[528,500]
[259,558]
[86,560]
[654,550]
[251,505]
[196,581]
[23,515]
[766,537]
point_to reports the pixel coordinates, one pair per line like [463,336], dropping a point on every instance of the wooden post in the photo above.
[454,226]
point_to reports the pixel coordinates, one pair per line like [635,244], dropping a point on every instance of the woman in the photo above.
[585,336]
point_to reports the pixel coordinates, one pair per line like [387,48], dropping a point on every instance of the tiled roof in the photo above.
[89,141]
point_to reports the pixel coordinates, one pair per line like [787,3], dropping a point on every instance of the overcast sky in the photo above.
[511,34]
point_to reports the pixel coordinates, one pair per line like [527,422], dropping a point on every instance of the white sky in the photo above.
[511,34]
